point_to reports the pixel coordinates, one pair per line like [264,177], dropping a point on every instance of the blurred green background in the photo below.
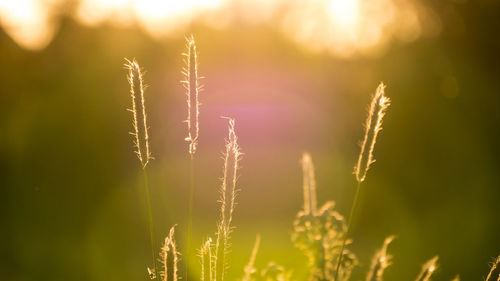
[71,199]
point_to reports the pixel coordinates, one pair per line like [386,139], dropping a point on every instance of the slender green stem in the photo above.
[349,221]
[190,212]
[150,219]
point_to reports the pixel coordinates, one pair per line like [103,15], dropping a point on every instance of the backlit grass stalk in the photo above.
[227,199]
[191,84]
[492,270]
[428,269]
[206,261]
[250,267]
[309,184]
[141,138]
[169,258]
[373,126]
[318,231]
[139,121]
[380,262]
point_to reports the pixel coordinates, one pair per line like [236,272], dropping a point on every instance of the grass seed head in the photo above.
[227,199]
[169,257]
[139,121]
[428,269]
[380,262]
[494,266]
[191,84]
[373,126]
[206,260]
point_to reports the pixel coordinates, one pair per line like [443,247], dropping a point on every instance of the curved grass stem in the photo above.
[190,212]
[349,221]
[150,220]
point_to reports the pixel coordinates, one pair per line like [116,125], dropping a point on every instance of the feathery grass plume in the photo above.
[169,265]
[492,270]
[427,269]
[373,125]
[141,137]
[309,184]
[380,262]
[319,233]
[206,260]
[227,199]
[250,267]
[190,83]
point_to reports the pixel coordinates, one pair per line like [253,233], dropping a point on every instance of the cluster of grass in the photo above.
[321,233]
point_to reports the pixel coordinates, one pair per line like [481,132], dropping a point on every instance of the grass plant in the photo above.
[321,233]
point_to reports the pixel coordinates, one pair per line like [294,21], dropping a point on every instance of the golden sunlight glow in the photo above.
[93,12]
[27,22]
[158,17]
[342,27]
[344,12]
[164,17]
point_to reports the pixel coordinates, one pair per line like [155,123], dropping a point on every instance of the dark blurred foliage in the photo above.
[72,202]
